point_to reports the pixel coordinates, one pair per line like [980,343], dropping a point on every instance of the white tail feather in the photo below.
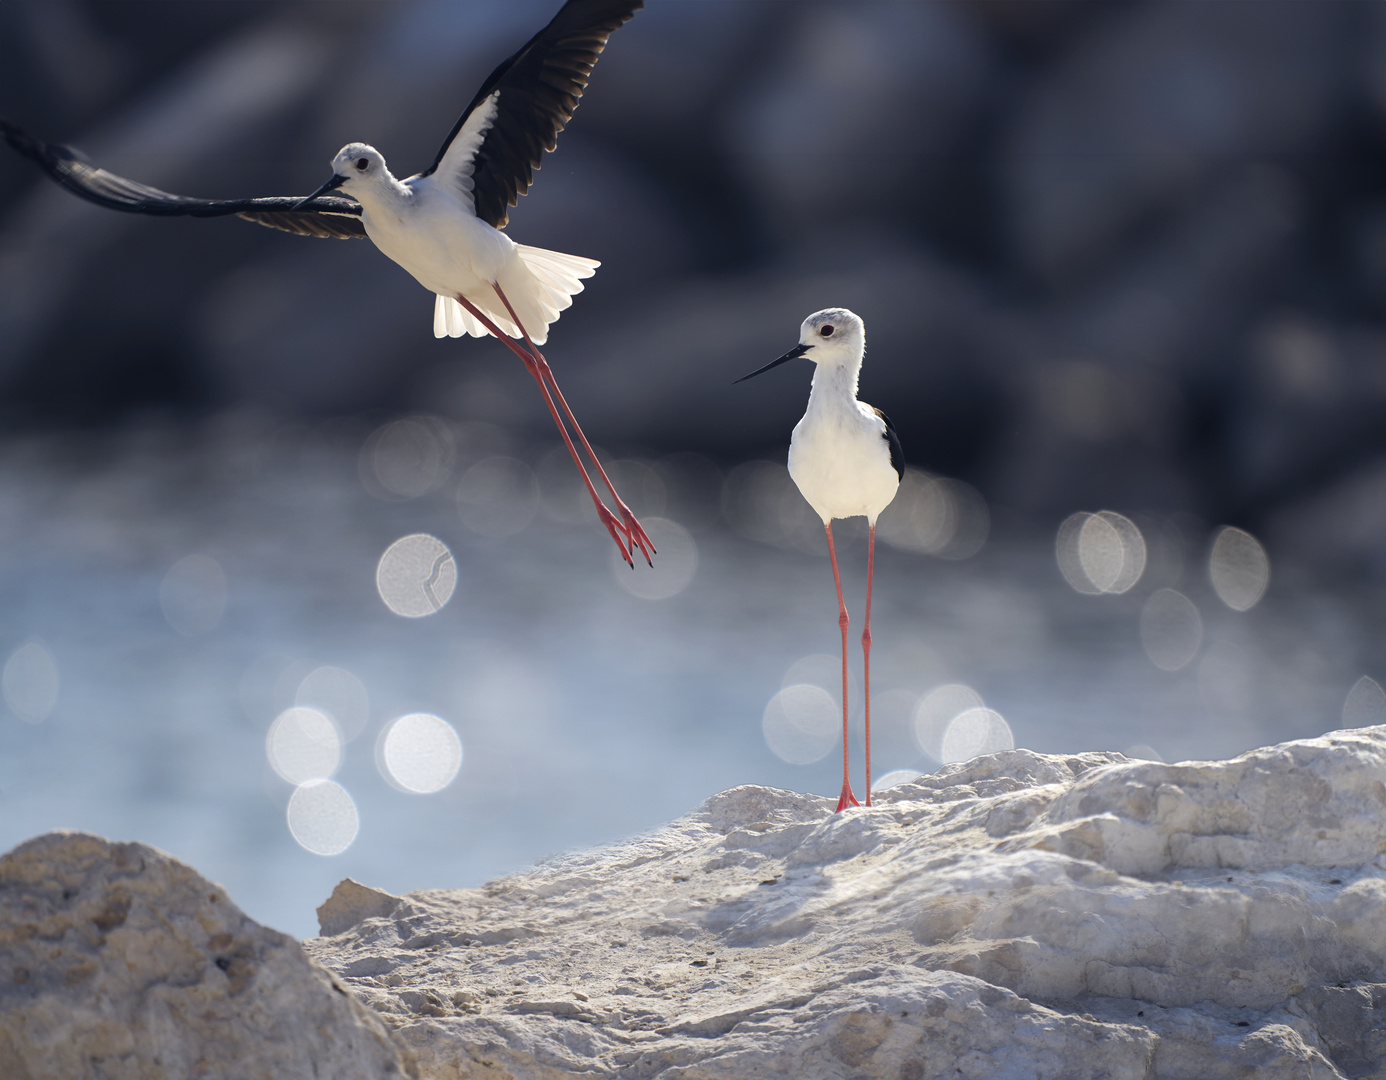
[451,320]
[540,284]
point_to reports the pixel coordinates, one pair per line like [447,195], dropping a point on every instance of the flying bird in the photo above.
[846,460]
[443,225]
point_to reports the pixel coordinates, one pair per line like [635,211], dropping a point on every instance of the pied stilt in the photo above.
[443,225]
[846,460]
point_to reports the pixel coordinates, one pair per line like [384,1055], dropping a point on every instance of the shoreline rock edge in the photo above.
[1021,915]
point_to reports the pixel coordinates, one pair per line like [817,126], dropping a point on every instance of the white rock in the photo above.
[120,963]
[1016,916]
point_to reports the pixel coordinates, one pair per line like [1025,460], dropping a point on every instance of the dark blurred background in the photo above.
[1107,252]
[1123,255]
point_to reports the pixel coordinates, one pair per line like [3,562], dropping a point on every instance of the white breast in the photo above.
[840,460]
[445,247]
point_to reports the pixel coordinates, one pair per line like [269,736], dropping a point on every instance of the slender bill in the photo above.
[337,181]
[793,354]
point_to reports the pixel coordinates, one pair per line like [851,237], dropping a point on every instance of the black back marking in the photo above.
[897,452]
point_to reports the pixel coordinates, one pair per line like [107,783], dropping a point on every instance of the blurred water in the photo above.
[172,593]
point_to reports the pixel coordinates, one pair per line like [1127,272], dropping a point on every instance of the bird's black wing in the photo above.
[897,452]
[330,216]
[523,105]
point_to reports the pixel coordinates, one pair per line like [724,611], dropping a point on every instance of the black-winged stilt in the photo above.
[443,224]
[846,460]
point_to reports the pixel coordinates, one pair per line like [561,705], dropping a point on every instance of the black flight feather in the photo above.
[331,215]
[540,87]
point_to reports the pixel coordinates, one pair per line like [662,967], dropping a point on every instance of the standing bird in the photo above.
[443,225]
[846,460]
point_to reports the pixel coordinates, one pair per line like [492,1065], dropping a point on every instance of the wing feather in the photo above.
[897,452]
[531,97]
[334,216]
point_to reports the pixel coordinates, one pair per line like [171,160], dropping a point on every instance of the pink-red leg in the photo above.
[635,534]
[866,651]
[532,366]
[847,798]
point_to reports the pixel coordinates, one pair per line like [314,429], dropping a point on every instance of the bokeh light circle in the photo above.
[971,520]
[419,753]
[1171,629]
[338,693]
[498,496]
[193,595]
[407,458]
[1066,554]
[30,682]
[1365,705]
[674,566]
[801,724]
[895,778]
[416,576]
[922,517]
[1100,553]
[322,817]
[825,671]
[303,744]
[974,733]
[937,710]
[1239,568]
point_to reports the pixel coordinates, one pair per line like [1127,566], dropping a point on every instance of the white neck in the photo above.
[379,192]
[834,381]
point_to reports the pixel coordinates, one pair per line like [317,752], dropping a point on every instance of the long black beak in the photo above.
[337,181]
[793,354]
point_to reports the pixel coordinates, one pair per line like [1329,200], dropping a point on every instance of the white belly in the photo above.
[843,469]
[446,251]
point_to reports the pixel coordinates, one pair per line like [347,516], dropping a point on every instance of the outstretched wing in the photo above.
[498,142]
[330,216]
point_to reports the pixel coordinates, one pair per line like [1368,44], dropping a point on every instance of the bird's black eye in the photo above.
[827,331]
[363,163]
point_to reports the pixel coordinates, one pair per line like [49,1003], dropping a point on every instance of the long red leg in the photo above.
[635,534]
[532,366]
[866,651]
[847,798]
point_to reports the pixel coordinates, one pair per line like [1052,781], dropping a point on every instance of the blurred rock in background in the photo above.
[1128,254]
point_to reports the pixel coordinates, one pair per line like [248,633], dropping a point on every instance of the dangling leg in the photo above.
[532,366]
[847,798]
[866,652]
[635,535]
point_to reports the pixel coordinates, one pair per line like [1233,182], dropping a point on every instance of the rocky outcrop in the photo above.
[1016,916]
[119,963]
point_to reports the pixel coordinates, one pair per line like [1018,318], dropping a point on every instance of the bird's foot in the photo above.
[617,532]
[636,536]
[847,799]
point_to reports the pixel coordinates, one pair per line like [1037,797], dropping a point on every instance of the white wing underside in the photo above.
[457,165]
[539,286]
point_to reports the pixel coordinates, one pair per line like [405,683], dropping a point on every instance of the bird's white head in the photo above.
[358,170]
[359,166]
[831,338]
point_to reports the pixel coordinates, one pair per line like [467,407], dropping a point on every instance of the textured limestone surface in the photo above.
[1016,916]
[119,963]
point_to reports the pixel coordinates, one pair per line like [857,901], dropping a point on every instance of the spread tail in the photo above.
[540,285]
